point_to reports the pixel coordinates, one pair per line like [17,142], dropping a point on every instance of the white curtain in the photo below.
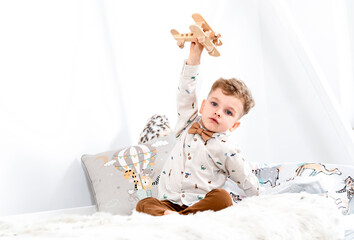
[82,77]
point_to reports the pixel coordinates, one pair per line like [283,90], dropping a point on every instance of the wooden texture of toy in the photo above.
[203,32]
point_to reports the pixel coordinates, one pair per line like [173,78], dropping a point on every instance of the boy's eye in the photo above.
[228,113]
[214,104]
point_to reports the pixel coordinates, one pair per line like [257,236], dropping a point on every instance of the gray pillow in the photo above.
[120,178]
[333,181]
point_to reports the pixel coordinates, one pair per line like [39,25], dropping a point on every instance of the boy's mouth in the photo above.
[214,120]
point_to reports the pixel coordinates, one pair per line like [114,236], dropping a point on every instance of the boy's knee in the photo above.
[219,192]
[222,195]
[140,205]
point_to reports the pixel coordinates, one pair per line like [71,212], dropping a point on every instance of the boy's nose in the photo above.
[217,114]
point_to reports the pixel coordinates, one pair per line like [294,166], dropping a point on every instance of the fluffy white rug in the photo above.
[285,216]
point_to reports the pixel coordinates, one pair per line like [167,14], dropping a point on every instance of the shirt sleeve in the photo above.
[240,171]
[187,106]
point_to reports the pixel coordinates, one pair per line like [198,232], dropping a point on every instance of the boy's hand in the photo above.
[195,53]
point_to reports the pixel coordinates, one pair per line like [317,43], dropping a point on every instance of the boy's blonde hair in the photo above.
[237,88]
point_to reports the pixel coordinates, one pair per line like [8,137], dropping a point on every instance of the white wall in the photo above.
[84,76]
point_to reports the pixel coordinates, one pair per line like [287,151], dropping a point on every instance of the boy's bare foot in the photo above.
[168,212]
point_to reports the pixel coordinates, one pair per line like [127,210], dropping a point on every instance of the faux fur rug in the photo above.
[285,216]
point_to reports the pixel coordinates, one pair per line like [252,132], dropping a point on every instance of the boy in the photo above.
[202,158]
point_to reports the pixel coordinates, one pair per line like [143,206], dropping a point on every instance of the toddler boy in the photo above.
[202,159]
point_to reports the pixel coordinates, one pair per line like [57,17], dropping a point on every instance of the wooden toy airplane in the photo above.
[203,32]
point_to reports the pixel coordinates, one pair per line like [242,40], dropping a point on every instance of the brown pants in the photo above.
[215,200]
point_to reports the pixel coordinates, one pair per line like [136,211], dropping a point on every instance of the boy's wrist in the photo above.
[195,53]
[193,61]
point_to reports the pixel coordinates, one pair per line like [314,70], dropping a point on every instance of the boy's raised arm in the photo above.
[187,106]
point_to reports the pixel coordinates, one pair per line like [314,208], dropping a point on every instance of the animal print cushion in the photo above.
[329,180]
[120,178]
[157,126]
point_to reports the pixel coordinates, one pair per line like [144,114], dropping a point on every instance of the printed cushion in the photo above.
[330,180]
[157,126]
[120,178]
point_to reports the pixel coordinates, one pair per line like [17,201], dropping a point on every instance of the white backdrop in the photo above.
[84,76]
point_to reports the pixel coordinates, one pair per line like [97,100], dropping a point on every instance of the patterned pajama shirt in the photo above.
[195,167]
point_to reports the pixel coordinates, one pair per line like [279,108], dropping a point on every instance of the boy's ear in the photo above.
[202,106]
[236,125]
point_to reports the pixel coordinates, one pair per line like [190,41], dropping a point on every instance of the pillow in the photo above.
[120,178]
[330,180]
[157,126]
